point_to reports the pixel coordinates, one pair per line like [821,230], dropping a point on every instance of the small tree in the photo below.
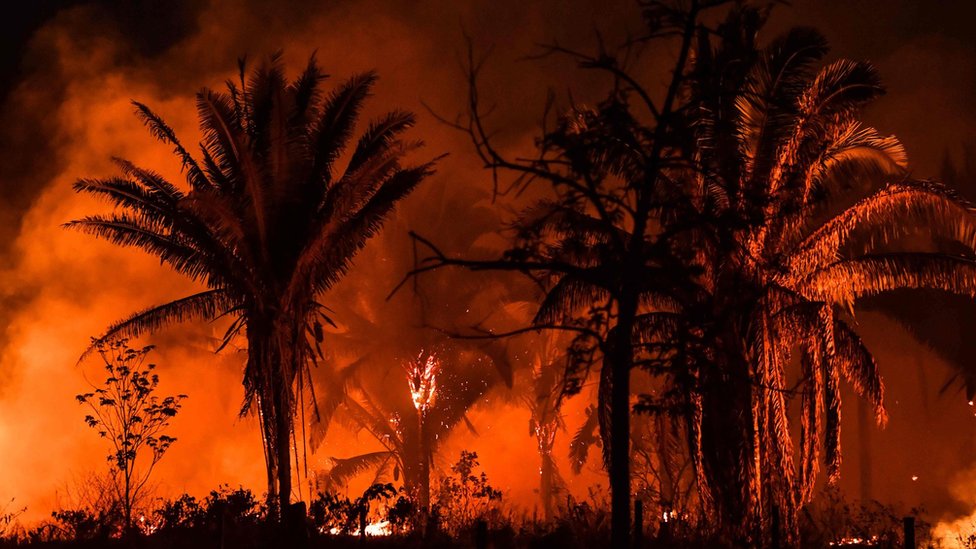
[126,411]
[465,496]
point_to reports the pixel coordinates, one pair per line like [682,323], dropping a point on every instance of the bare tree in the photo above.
[593,244]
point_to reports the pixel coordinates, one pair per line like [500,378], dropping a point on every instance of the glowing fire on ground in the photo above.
[379,528]
[855,541]
[957,534]
[147,528]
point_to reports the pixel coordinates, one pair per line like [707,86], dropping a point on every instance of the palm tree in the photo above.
[436,392]
[270,218]
[438,307]
[786,226]
[544,400]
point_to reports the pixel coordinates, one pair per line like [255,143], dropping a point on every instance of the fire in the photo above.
[545,434]
[378,528]
[422,379]
[855,541]
[147,528]
[957,534]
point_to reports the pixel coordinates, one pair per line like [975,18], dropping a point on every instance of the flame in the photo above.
[422,379]
[545,435]
[147,527]
[854,541]
[378,528]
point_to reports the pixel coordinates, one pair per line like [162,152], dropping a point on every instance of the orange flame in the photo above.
[422,379]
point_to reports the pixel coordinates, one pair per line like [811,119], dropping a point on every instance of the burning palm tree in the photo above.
[411,423]
[785,227]
[422,382]
[269,220]
[392,390]
[544,400]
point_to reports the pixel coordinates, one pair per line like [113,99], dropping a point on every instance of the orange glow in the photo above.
[61,288]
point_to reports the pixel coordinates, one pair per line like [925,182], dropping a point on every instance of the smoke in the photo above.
[72,109]
[70,113]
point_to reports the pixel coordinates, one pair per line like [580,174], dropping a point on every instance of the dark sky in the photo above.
[926,52]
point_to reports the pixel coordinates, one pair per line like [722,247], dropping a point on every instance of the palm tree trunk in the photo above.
[619,359]
[545,484]
[425,457]
[270,457]
[283,449]
[271,356]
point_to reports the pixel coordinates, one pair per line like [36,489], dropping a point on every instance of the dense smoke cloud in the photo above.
[69,113]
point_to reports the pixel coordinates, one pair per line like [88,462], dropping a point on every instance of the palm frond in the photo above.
[847,280]
[379,136]
[924,204]
[566,298]
[161,131]
[335,126]
[585,437]
[345,469]
[204,305]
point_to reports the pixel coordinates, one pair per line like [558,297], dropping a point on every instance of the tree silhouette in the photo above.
[592,243]
[785,226]
[712,235]
[410,410]
[270,220]
[126,411]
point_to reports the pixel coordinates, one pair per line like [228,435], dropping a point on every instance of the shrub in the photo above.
[466,497]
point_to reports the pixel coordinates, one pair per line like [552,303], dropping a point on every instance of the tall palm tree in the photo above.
[271,216]
[789,218]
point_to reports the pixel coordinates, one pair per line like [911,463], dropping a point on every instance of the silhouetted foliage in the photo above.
[833,520]
[333,514]
[78,525]
[466,496]
[183,512]
[127,412]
